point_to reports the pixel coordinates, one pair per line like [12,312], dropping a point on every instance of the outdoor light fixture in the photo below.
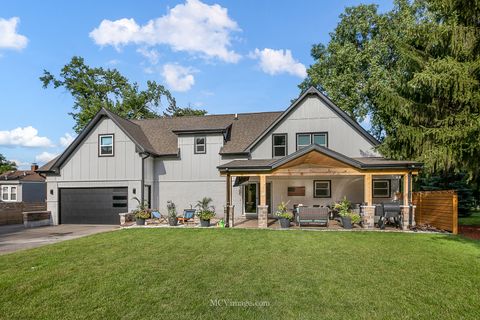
[51,192]
[134,191]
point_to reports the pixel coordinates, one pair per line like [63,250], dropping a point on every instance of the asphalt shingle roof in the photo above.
[160,132]
[21,175]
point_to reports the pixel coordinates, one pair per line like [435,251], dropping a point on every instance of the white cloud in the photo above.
[44,157]
[24,137]
[177,77]
[151,54]
[194,27]
[20,163]
[280,61]
[113,62]
[66,140]
[9,38]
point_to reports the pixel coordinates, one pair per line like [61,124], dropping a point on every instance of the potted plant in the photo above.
[142,212]
[172,213]
[349,218]
[284,216]
[205,211]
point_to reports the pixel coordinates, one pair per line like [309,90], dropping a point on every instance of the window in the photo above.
[322,189]
[306,139]
[320,139]
[381,188]
[303,140]
[279,145]
[200,145]
[105,145]
[9,193]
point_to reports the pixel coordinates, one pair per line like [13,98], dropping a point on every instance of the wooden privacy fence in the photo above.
[12,212]
[437,208]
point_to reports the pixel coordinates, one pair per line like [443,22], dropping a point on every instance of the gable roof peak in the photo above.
[342,114]
[312,89]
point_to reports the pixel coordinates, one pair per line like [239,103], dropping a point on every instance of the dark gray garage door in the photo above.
[93,205]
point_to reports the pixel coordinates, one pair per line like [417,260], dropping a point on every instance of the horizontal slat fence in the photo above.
[437,208]
[12,212]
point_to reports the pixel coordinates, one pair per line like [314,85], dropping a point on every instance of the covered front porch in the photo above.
[317,177]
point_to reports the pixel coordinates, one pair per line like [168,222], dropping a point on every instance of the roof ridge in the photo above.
[125,119]
[205,116]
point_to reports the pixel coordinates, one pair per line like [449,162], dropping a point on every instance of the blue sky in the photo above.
[223,56]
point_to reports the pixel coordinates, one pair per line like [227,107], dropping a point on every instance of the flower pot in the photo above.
[172,221]
[205,223]
[284,223]
[140,222]
[347,222]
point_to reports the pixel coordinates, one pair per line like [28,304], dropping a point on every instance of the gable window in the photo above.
[303,140]
[279,145]
[322,189]
[105,145]
[9,193]
[306,139]
[200,145]
[320,139]
[381,188]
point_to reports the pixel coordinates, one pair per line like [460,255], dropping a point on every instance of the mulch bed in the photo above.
[472,232]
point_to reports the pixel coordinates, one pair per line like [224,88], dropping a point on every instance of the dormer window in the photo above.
[200,145]
[306,139]
[105,145]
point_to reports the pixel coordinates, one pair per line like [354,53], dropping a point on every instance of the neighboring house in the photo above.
[22,186]
[312,153]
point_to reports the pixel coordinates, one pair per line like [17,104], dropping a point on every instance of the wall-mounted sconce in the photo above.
[134,191]
[51,192]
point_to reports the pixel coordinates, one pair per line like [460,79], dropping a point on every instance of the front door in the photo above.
[251,197]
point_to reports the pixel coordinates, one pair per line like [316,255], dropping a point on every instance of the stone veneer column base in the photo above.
[405,210]
[262,216]
[368,219]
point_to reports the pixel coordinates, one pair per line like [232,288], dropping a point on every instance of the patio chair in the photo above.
[187,216]
[158,216]
[308,215]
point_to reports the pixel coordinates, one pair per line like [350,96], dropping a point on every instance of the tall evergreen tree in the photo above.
[435,107]
[415,71]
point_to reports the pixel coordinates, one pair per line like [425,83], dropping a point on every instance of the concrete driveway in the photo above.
[16,237]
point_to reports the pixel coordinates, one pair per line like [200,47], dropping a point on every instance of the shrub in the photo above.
[205,210]
[171,209]
[142,211]
[282,211]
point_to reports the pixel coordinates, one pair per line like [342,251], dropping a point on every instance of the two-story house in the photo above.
[312,153]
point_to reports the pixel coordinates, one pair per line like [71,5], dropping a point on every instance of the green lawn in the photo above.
[473,220]
[175,273]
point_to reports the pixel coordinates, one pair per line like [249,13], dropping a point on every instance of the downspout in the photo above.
[142,184]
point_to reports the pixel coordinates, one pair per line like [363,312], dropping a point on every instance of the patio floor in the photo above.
[252,223]
[274,224]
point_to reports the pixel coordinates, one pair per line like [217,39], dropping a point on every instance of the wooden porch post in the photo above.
[368,218]
[406,189]
[263,208]
[263,190]
[228,200]
[367,189]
